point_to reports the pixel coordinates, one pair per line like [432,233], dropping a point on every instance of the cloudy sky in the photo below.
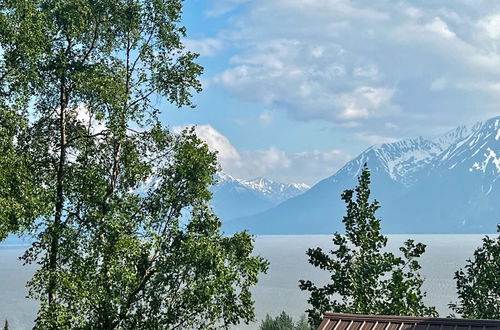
[295,88]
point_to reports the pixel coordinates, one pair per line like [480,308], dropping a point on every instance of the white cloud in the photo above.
[308,80]
[491,26]
[363,102]
[341,8]
[376,139]
[226,153]
[302,167]
[204,47]
[84,116]
[265,161]
[356,65]
[439,27]
[311,166]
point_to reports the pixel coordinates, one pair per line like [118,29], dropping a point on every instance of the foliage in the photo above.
[363,278]
[117,204]
[283,322]
[21,199]
[478,286]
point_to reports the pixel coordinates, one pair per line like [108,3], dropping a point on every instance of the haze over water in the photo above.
[278,289]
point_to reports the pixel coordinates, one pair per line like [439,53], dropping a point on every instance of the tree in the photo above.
[302,324]
[117,204]
[283,322]
[363,278]
[478,286]
[6,325]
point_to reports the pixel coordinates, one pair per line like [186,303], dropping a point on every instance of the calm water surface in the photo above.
[278,289]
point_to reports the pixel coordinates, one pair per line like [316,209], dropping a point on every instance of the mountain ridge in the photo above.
[445,184]
[234,197]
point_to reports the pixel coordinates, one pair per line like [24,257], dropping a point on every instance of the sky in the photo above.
[293,89]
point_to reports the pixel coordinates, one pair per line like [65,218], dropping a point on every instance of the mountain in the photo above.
[234,198]
[445,184]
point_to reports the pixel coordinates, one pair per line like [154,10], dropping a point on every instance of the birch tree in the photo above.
[116,203]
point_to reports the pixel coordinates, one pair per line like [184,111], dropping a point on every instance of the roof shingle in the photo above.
[338,321]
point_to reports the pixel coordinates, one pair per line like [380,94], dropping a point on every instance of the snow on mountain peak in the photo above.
[266,185]
[405,160]
[398,159]
[275,191]
[490,156]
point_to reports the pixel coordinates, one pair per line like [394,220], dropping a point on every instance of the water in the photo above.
[18,310]
[278,289]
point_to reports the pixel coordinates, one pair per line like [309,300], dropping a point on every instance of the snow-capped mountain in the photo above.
[445,184]
[234,198]
[276,192]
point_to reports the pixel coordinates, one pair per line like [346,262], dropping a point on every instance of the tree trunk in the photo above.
[54,231]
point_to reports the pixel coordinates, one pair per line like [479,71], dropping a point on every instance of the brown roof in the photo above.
[337,321]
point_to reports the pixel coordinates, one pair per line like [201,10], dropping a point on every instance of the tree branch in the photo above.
[101,133]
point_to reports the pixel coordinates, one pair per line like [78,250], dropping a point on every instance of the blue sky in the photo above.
[295,88]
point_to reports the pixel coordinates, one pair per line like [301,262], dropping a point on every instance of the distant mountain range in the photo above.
[233,198]
[446,184]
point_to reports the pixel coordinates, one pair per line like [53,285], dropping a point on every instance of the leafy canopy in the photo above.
[364,279]
[284,322]
[478,285]
[116,204]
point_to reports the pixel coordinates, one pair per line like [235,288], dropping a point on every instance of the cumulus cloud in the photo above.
[227,154]
[303,79]
[363,102]
[302,167]
[357,65]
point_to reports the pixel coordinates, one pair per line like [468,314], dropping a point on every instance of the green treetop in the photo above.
[364,279]
[284,322]
[478,285]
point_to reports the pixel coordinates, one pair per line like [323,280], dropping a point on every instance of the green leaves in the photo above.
[363,278]
[22,200]
[478,284]
[283,322]
[118,205]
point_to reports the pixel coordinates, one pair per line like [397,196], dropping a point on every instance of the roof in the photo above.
[337,321]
